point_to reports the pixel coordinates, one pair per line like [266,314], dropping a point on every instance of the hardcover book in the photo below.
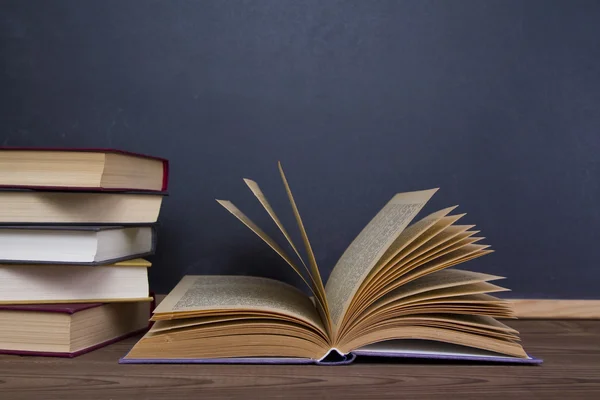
[43,207]
[80,245]
[68,330]
[124,281]
[392,293]
[82,169]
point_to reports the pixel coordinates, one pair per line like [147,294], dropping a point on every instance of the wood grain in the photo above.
[571,370]
[557,309]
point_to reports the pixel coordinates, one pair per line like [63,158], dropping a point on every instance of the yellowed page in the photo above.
[195,293]
[229,206]
[446,261]
[311,256]
[449,293]
[478,324]
[422,230]
[411,261]
[429,284]
[444,283]
[413,271]
[265,203]
[444,335]
[369,246]
[394,267]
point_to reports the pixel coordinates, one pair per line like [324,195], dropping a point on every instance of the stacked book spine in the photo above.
[76,228]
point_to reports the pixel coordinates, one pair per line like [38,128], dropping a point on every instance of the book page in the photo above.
[444,283]
[229,206]
[429,251]
[213,294]
[369,246]
[438,280]
[267,206]
[311,256]
[416,231]
[392,268]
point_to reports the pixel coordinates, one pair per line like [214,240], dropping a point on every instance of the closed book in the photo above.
[61,283]
[82,169]
[43,207]
[81,245]
[62,330]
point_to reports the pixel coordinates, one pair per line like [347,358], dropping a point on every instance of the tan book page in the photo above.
[369,246]
[229,206]
[434,246]
[478,324]
[171,324]
[415,271]
[507,347]
[481,322]
[192,344]
[265,203]
[404,268]
[412,237]
[196,293]
[202,318]
[390,314]
[456,243]
[439,232]
[234,329]
[444,283]
[411,234]
[317,285]
[449,294]
[441,226]
[451,279]
[320,292]
[457,256]
[379,285]
[125,171]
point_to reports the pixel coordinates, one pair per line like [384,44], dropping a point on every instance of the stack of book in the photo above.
[75,228]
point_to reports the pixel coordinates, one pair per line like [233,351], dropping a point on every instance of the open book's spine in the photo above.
[336,357]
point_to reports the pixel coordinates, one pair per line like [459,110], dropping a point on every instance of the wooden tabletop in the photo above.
[571,370]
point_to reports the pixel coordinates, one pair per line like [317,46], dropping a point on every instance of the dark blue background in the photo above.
[495,102]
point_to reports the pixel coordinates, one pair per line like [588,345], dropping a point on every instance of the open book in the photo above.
[391,294]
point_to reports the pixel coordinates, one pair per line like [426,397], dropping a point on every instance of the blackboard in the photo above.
[497,103]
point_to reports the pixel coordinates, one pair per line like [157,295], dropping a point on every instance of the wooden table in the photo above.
[571,370]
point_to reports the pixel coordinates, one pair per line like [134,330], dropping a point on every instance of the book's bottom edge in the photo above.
[363,356]
[71,354]
[233,360]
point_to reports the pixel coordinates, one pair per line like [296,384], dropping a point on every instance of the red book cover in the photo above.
[54,308]
[66,309]
[165,162]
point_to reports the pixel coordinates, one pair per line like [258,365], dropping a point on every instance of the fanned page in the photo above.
[393,283]
[410,293]
[229,206]
[316,275]
[449,306]
[313,279]
[368,247]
